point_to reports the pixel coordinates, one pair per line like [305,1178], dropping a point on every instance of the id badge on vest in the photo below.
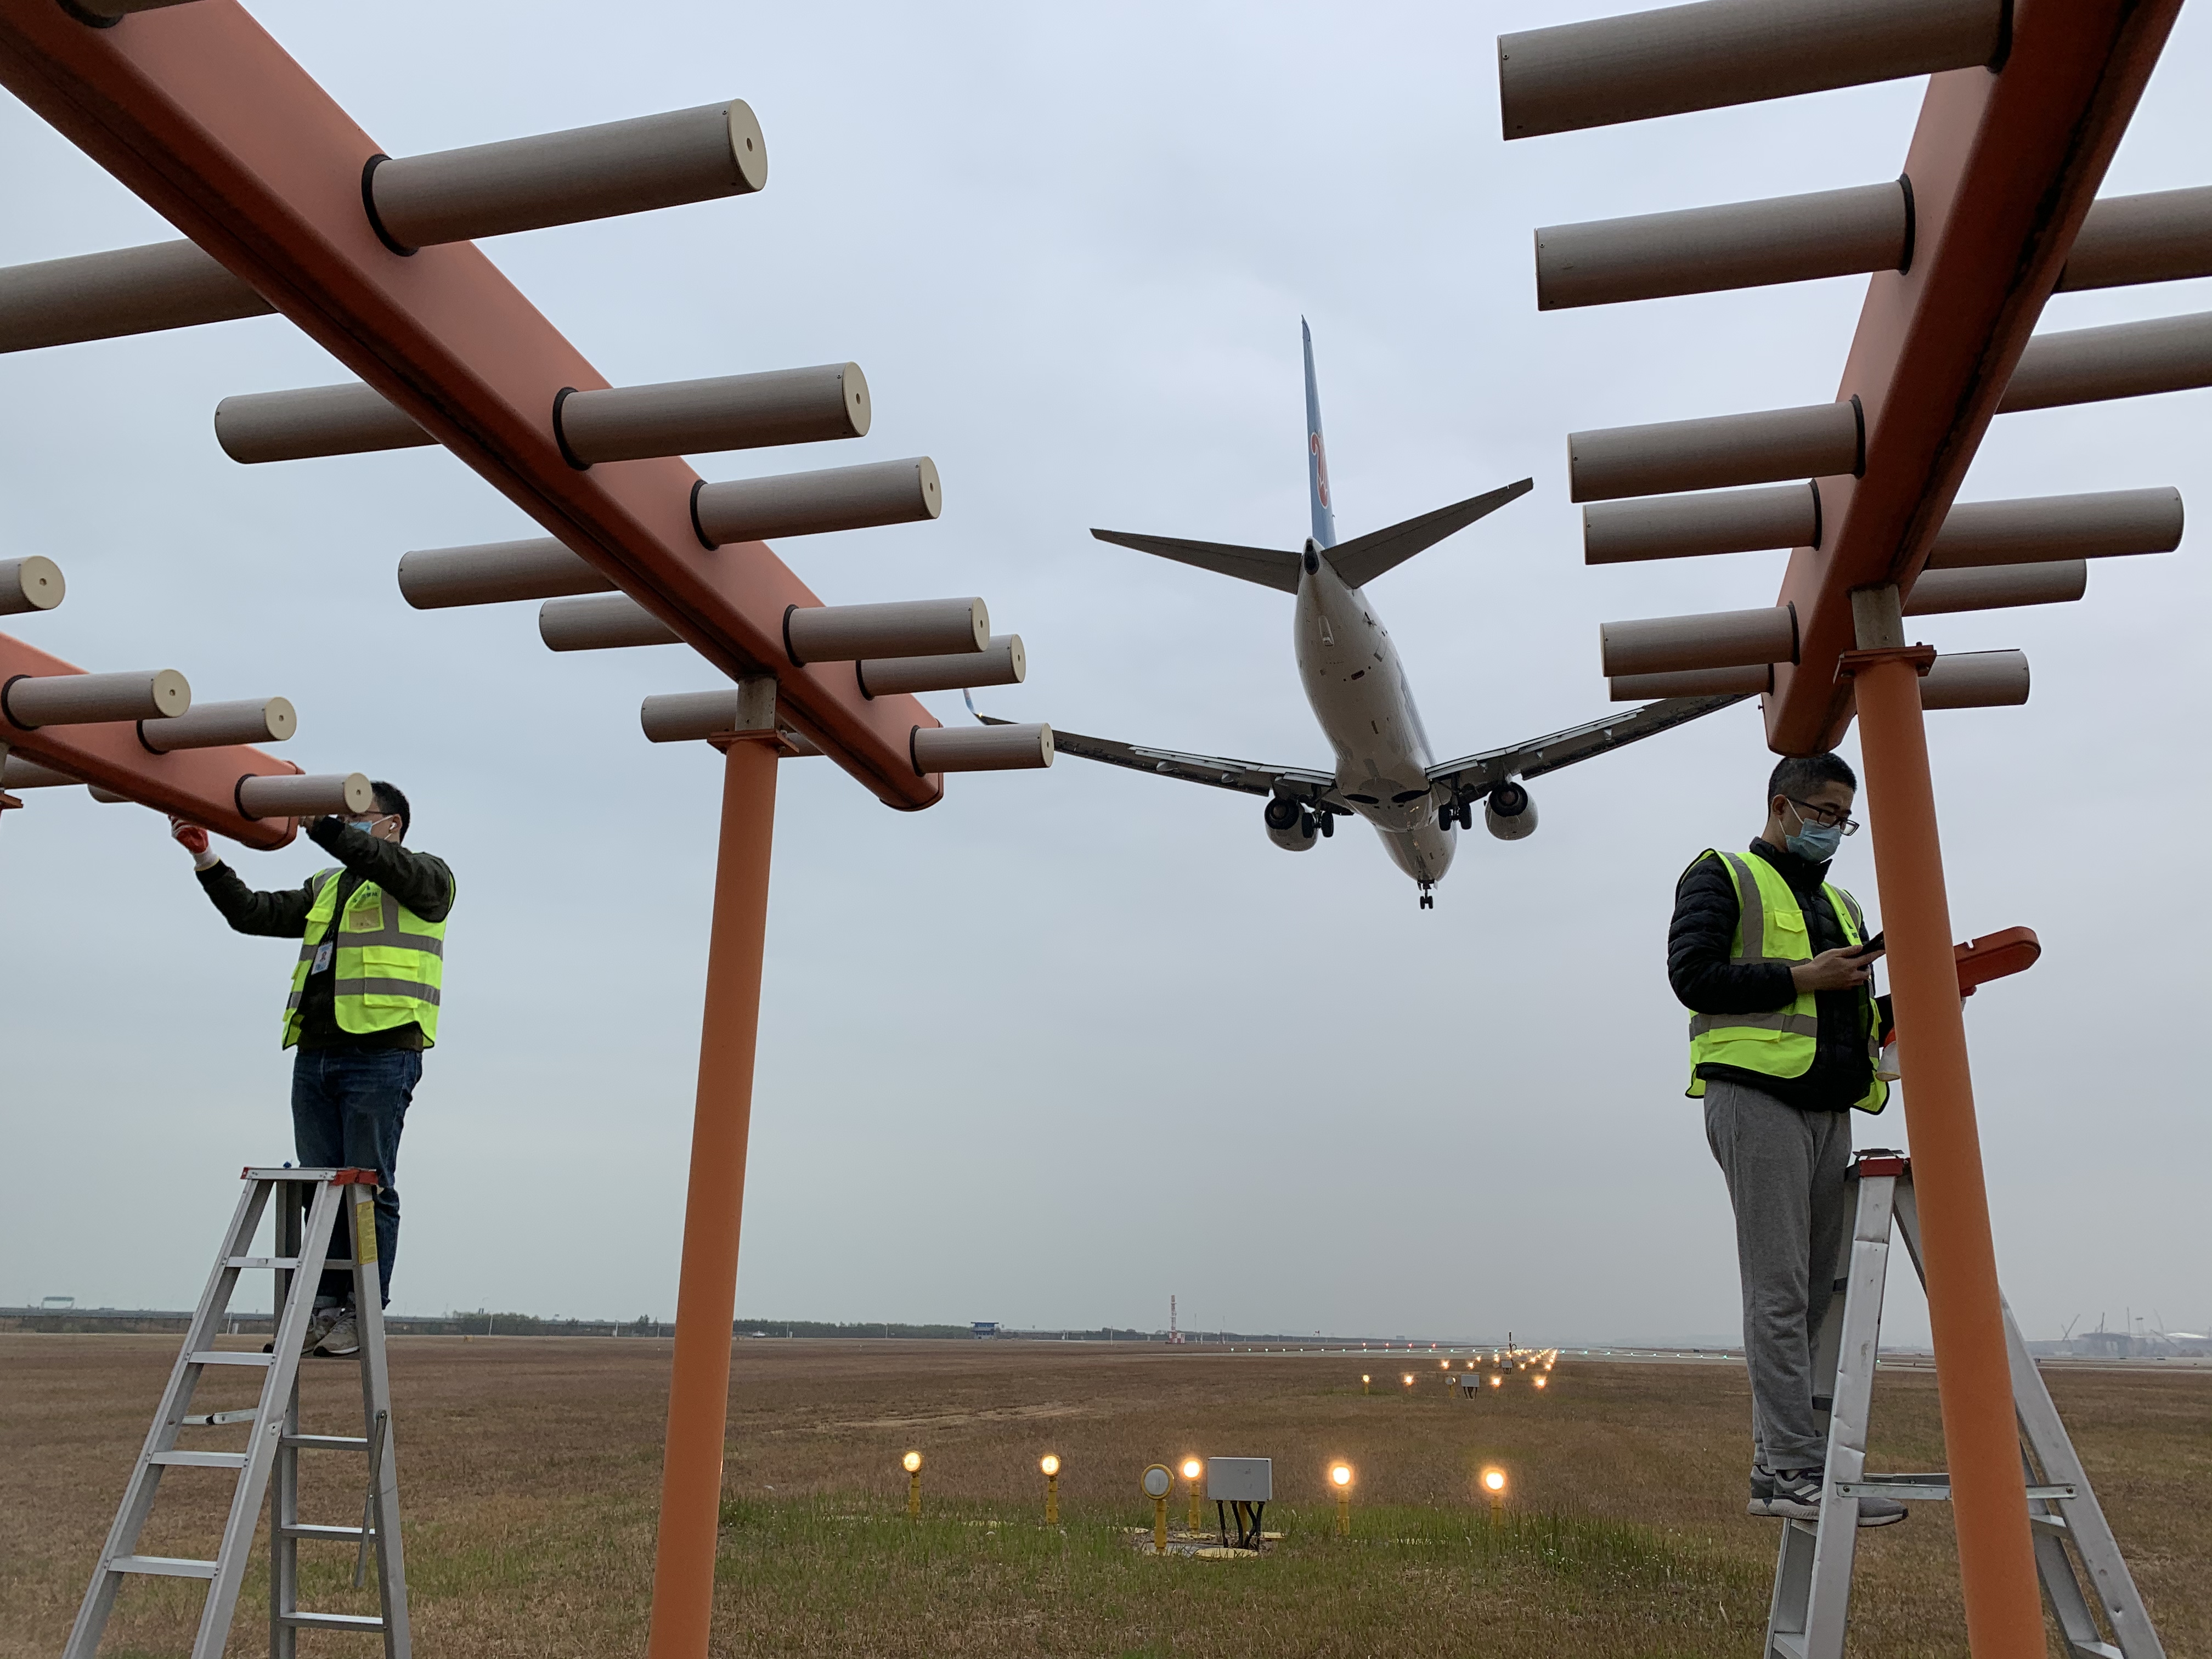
[324,953]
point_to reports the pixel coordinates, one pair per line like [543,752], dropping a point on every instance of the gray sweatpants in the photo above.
[1785,1178]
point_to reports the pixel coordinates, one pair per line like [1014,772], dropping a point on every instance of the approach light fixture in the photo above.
[1050,1464]
[1340,1476]
[912,1464]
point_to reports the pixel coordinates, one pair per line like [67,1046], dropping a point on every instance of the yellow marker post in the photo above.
[1493,1487]
[1363,1380]
[1050,1465]
[912,1463]
[1340,1476]
[1193,1475]
[1158,1481]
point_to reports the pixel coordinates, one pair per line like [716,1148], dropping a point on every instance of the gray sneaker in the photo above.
[1796,1495]
[319,1327]
[1762,1493]
[342,1340]
[1880,1512]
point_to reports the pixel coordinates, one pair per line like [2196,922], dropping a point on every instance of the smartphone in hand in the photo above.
[1874,947]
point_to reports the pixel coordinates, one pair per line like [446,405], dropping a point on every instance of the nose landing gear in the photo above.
[1428,897]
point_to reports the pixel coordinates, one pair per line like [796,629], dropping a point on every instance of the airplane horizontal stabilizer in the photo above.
[1363,558]
[1263,565]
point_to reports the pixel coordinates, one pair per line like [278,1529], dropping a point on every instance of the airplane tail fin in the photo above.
[1324,509]
[1363,558]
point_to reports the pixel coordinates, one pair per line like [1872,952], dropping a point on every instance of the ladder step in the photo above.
[1787,1644]
[200,1460]
[167,1566]
[227,1356]
[2095,1651]
[347,1534]
[261,1261]
[330,1620]
[327,1442]
[216,1420]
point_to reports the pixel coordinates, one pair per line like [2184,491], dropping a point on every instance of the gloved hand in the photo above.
[193,839]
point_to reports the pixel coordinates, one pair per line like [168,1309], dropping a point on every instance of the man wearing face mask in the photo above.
[1776,964]
[363,1005]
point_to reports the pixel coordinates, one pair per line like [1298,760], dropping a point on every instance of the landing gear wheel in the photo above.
[1428,900]
[1327,825]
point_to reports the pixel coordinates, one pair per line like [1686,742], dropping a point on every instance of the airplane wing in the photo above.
[1317,789]
[1474,777]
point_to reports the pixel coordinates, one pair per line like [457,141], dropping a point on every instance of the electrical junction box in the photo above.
[1240,1479]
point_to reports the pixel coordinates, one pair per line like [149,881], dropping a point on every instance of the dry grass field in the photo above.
[529,1471]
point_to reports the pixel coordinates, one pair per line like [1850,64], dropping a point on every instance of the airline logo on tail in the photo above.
[1320,468]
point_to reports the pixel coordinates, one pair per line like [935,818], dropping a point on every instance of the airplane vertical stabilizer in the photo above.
[1324,511]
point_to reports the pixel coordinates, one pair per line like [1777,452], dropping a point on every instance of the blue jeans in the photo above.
[347,1107]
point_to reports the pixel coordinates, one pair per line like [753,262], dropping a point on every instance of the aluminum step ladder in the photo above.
[311,1207]
[2074,1543]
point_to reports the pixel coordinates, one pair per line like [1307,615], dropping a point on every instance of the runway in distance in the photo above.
[1357,689]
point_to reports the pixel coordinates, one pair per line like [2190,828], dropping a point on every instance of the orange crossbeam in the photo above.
[2003,168]
[203,115]
[199,784]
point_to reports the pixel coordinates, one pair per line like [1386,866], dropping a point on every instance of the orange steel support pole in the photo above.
[707,1288]
[1973,1380]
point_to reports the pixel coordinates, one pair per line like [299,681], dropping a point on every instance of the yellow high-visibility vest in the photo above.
[1771,927]
[390,964]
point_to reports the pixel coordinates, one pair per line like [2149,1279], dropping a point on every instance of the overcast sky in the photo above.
[1073,1041]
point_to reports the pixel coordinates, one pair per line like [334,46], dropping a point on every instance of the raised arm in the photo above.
[422,882]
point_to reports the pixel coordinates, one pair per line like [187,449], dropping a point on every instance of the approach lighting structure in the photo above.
[1158,1480]
[1340,1478]
[1050,1464]
[1194,1476]
[912,1464]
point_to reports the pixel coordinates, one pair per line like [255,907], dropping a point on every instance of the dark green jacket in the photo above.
[423,883]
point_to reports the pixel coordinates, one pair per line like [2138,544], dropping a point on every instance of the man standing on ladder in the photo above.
[1776,967]
[363,1005]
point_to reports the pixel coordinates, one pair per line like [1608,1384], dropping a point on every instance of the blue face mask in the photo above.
[1816,843]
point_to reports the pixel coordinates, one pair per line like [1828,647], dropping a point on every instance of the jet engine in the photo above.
[1509,813]
[1289,826]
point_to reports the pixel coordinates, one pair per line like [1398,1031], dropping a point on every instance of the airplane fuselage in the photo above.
[1358,690]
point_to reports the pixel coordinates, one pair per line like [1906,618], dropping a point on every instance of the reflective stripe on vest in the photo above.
[389,963]
[1783,1044]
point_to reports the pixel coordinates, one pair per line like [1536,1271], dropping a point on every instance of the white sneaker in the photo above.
[319,1327]
[342,1340]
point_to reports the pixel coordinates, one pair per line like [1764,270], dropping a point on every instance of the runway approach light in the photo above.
[1194,1475]
[1157,1482]
[1409,1379]
[1495,1381]
[1340,1476]
[912,1464]
[1493,1487]
[1540,1381]
[1050,1464]
[1365,1379]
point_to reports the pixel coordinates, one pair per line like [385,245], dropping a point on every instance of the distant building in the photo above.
[984,1328]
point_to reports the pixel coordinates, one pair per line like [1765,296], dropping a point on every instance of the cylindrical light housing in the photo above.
[32,582]
[2163,237]
[562,177]
[1718,639]
[304,795]
[1684,526]
[981,748]
[16,772]
[1975,679]
[1817,442]
[1751,680]
[1996,586]
[689,716]
[34,700]
[352,419]
[902,628]
[731,411]
[1785,239]
[127,291]
[601,622]
[2106,523]
[218,724]
[496,573]
[1002,662]
[810,503]
[1724,52]
[2122,359]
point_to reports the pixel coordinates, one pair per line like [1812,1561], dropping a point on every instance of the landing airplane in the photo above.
[1358,690]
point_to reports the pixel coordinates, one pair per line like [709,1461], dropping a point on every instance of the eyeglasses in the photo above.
[1832,815]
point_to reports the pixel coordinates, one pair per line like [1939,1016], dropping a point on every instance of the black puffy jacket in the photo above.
[1706,981]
